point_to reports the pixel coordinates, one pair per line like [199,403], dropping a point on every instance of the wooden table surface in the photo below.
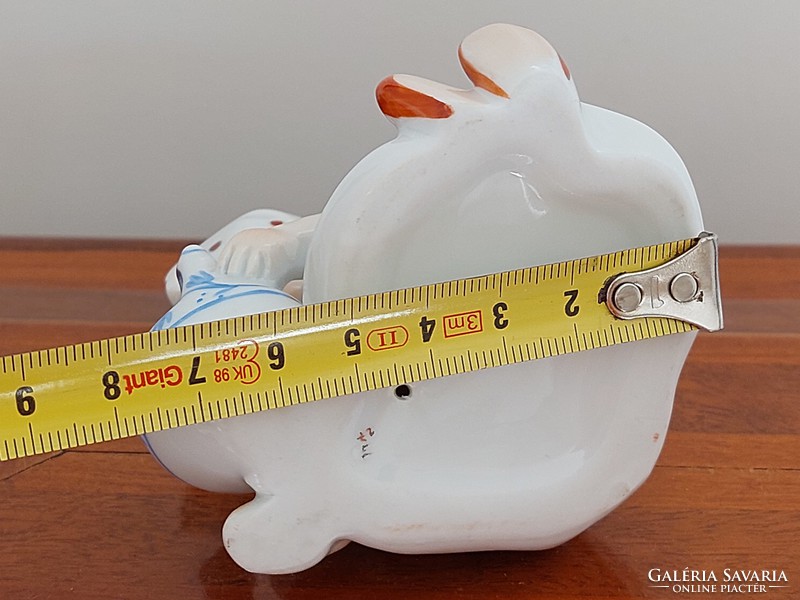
[106,521]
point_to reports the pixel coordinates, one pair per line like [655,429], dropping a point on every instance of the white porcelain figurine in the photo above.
[512,172]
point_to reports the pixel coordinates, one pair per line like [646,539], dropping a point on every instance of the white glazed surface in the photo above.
[518,457]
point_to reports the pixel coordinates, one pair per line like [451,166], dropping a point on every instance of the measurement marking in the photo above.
[116,418]
[200,404]
[397,379]
[280,389]
[514,359]
[659,327]
[407,373]
[358,378]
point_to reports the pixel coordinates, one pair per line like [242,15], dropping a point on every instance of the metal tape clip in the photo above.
[686,288]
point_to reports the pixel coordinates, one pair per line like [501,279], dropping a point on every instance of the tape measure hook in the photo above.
[685,288]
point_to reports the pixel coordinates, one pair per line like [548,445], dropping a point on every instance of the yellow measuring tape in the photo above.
[103,390]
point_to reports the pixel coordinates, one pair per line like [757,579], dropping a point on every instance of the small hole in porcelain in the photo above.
[403,391]
[179,276]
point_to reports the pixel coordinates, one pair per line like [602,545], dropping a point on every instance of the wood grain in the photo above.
[106,521]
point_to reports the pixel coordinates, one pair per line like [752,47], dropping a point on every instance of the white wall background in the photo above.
[168,118]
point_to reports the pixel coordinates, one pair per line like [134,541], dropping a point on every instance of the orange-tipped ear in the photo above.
[565,67]
[479,79]
[397,100]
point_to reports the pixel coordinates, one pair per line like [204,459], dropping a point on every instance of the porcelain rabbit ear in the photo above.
[195,262]
[499,58]
[403,96]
